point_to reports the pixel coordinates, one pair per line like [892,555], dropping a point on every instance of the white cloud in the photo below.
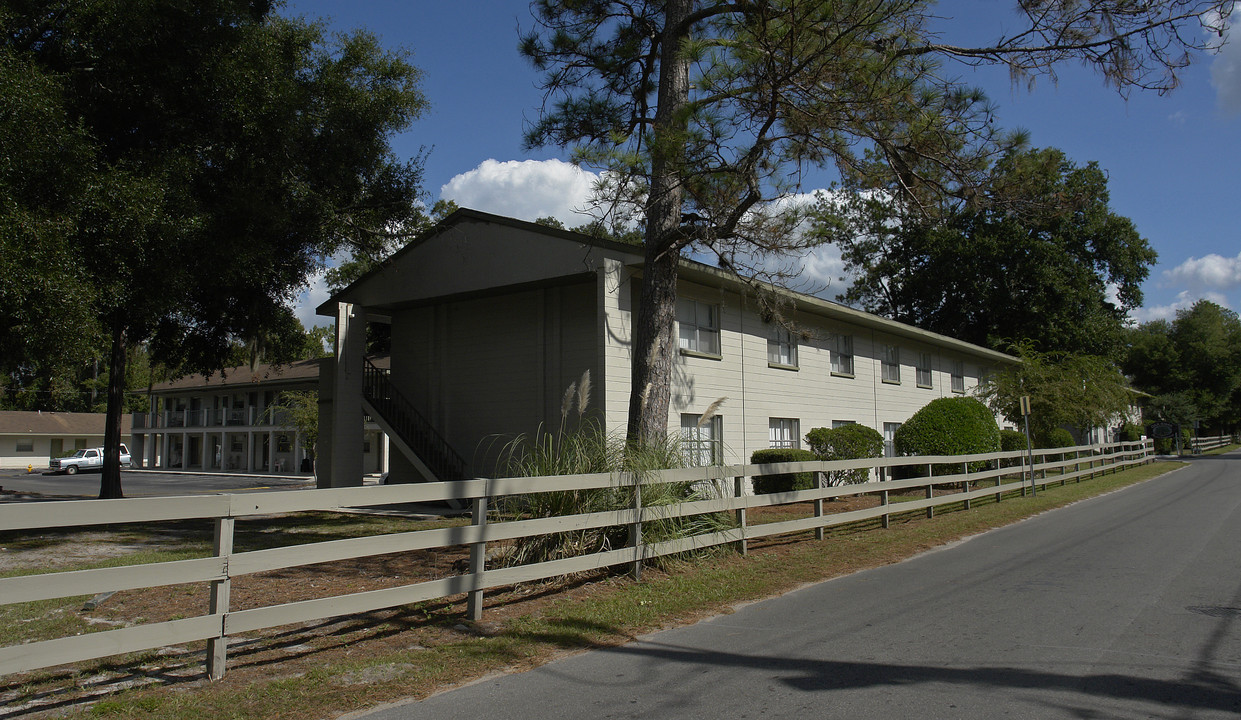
[310,298]
[1206,278]
[1226,69]
[525,189]
[1184,300]
[1208,273]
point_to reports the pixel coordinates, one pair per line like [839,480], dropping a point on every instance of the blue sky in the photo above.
[1173,161]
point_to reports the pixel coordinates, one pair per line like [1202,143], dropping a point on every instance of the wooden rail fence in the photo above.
[1001,473]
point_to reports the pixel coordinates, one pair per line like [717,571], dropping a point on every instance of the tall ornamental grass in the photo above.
[581,445]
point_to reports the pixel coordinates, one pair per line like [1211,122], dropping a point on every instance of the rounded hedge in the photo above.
[1012,440]
[783,482]
[847,442]
[1130,432]
[1057,438]
[949,426]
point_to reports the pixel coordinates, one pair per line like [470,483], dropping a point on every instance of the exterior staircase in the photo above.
[408,429]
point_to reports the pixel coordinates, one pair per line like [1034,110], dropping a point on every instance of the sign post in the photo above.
[1025,414]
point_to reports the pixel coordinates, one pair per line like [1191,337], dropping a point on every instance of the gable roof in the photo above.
[33,422]
[301,372]
[633,257]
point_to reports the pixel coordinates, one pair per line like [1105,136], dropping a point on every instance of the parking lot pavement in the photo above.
[18,484]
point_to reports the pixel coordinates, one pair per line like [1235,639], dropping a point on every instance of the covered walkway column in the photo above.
[346,456]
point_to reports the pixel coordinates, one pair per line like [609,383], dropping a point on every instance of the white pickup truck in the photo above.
[88,459]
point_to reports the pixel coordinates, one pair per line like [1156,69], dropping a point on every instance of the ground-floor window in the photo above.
[784,432]
[889,439]
[702,440]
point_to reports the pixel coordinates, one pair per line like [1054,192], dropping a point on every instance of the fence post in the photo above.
[743,547]
[478,560]
[999,480]
[635,529]
[217,647]
[965,484]
[930,490]
[818,508]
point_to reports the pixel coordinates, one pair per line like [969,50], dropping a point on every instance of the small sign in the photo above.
[1025,404]
[1161,430]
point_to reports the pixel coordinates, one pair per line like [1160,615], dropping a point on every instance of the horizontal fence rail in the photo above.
[1207,444]
[998,473]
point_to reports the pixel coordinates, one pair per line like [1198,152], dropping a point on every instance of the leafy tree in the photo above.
[1191,365]
[1034,261]
[706,112]
[221,152]
[1082,391]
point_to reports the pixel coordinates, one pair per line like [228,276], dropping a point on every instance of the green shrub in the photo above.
[847,442]
[1129,432]
[949,426]
[783,482]
[1012,440]
[1057,438]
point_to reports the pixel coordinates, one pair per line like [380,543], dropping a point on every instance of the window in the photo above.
[784,432]
[699,325]
[924,370]
[842,355]
[79,443]
[889,439]
[25,445]
[841,423]
[958,376]
[701,442]
[891,364]
[782,349]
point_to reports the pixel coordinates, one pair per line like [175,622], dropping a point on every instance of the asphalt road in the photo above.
[1123,606]
[139,483]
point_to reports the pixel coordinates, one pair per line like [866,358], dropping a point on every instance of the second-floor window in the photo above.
[782,348]
[698,326]
[924,370]
[958,376]
[891,362]
[842,354]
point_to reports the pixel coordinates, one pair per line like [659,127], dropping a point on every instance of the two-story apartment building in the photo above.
[492,319]
[234,422]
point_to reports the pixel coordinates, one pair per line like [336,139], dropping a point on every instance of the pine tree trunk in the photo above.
[110,484]
[653,342]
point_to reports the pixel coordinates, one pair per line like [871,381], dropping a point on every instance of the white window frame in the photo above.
[784,433]
[702,443]
[837,424]
[842,355]
[698,327]
[958,376]
[782,349]
[889,438]
[923,371]
[890,364]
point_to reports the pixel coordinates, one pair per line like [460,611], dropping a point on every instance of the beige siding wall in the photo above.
[809,393]
[483,370]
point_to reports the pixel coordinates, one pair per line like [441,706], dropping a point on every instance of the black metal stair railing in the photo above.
[409,424]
